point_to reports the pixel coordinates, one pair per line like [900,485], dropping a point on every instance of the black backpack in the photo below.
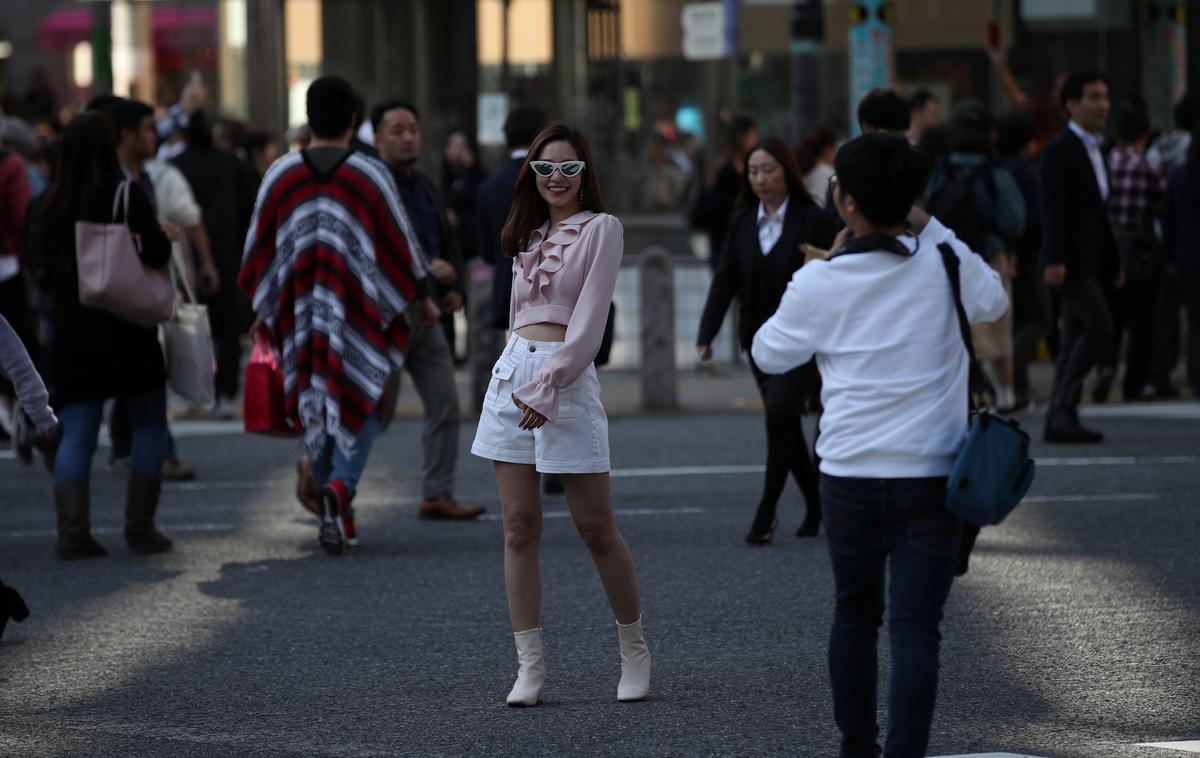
[952,200]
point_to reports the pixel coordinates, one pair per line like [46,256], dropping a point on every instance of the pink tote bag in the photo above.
[112,276]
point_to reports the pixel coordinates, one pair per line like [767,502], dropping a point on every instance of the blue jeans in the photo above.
[874,525]
[334,465]
[79,426]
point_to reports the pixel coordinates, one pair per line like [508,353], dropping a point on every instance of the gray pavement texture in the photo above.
[1075,634]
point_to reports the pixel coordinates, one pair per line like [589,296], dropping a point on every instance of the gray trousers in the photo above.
[431,365]
[484,341]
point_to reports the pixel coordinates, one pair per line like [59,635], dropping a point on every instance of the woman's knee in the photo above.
[522,531]
[600,536]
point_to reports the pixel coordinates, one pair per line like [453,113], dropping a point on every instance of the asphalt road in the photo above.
[1075,634]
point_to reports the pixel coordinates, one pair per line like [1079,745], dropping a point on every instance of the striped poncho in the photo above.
[330,263]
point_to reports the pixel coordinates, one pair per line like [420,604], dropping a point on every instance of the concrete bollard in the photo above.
[659,382]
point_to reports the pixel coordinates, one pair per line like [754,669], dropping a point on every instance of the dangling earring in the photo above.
[581,195]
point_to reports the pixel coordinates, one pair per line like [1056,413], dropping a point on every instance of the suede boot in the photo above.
[635,663]
[531,671]
[141,502]
[72,504]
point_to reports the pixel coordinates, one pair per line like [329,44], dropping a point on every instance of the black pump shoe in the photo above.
[809,528]
[755,537]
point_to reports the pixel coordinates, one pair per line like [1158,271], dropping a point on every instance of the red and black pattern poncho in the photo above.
[330,264]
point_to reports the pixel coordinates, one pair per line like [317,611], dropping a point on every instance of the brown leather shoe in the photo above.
[174,470]
[444,507]
[306,488]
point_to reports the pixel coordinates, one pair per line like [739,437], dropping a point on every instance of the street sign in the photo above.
[704,31]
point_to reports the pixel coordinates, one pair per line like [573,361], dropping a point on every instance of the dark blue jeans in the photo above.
[875,526]
[79,425]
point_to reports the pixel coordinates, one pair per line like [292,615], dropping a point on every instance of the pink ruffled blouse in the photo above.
[567,278]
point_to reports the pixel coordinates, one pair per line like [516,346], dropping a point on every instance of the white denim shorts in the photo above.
[575,443]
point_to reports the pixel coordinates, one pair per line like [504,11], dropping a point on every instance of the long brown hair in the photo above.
[87,160]
[778,150]
[529,211]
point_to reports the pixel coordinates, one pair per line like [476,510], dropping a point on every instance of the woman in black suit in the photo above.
[761,251]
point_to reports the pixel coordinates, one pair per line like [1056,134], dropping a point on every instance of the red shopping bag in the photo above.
[263,395]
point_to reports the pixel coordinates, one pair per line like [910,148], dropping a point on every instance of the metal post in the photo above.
[658,378]
[808,29]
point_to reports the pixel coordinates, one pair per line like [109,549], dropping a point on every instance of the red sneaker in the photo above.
[345,512]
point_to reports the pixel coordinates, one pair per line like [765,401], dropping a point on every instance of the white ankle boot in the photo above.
[635,663]
[531,671]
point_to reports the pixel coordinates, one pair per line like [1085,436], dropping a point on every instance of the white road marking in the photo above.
[1187,746]
[120,530]
[990,755]
[1119,460]
[1088,498]
[1179,410]
[617,512]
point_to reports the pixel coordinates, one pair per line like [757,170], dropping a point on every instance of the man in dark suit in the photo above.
[1079,252]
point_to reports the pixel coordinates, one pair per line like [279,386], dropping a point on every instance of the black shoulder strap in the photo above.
[975,383]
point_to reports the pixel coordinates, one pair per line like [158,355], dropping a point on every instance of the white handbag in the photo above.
[187,341]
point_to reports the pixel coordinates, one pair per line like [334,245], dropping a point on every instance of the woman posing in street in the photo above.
[761,252]
[542,412]
[97,355]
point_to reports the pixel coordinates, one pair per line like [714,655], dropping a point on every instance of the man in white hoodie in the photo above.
[879,316]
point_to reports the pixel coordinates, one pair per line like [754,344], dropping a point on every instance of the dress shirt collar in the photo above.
[1090,140]
[780,212]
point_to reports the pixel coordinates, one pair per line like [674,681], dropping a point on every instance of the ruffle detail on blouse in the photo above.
[544,256]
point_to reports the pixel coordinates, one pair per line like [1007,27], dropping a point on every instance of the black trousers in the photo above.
[1087,332]
[1138,300]
[784,397]
[1031,323]
[226,319]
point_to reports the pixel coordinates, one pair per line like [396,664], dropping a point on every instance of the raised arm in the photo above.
[586,330]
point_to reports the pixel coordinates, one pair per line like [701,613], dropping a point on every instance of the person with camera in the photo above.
[879,317]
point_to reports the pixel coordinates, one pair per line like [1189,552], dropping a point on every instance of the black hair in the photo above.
[921,98]
[198,133]
[883,110]
[330,106]
[1013,132]
[103,104]
[128,115]
[934,143]
[815,142]
[741,125]
[1131,122]
[971,131]
[1187,111]
[884,174]
[87,160]
[1072,88]
[381,110]
[523,125]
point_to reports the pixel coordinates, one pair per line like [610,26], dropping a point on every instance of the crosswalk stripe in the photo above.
[1186,746]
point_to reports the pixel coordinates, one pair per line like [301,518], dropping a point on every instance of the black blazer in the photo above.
[495,200]
[1075,226]
[734,276]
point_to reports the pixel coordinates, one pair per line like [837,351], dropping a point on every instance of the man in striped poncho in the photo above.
[330,264]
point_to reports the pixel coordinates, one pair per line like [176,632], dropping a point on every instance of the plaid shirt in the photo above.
[1138,190]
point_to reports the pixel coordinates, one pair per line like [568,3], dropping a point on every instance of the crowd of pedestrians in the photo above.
[346,262]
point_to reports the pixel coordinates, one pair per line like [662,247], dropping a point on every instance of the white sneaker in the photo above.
[222,408]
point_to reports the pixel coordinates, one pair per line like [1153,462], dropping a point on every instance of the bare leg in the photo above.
[521,504]
[588,497]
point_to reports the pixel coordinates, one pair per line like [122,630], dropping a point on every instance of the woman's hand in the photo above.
[532,419]
[704,352]
[172,231]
